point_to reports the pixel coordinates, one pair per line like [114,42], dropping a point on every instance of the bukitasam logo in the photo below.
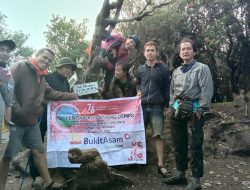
[102,140]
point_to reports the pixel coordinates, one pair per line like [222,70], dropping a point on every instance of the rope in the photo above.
[23,176]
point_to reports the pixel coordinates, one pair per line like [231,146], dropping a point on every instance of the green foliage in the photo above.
[164,26]
[219,27]
[18,37]
[66,37]
[3,25]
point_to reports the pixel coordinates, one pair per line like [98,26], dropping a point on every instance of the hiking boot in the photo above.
[193,186]
[176,180]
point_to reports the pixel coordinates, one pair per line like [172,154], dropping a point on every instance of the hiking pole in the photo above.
[23,176]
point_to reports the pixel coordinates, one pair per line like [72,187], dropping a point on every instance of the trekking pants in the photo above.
[179,133]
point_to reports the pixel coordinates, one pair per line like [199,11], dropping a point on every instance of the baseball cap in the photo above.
[9,43]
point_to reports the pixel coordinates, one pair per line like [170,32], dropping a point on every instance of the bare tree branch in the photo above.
[116,4]
[105,23]
[117,14]
[143,13]
[144,8]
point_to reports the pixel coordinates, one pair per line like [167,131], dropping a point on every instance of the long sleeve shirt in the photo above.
[153,82]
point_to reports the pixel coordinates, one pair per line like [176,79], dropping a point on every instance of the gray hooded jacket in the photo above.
[197,83]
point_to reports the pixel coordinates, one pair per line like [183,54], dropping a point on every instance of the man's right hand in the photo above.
[8,122]
[75,97]
[70,96]
[138,93]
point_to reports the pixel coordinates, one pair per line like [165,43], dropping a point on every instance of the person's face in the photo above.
[186,52]
[66,71]
[119,73]
[44,60]
[150,53]
[4,53]
[130,44]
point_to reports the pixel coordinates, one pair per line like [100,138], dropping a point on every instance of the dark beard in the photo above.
[3,64]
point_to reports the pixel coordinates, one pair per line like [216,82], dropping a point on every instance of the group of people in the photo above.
[25,82]
[116,50]
[186,94]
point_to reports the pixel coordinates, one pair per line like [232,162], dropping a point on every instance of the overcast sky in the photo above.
[32,16]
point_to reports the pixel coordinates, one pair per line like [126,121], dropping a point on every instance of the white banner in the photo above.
[115,127]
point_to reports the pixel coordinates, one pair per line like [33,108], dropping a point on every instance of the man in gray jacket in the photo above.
[191,91]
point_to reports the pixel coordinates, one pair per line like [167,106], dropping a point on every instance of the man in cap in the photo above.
[58,80]
[6,82]
[30,91]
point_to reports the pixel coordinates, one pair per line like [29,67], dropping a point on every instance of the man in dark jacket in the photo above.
[57,80]
[30,91]
[153,81]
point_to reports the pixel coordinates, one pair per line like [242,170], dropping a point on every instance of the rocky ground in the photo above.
[223,171]
[232,173]
[229,173]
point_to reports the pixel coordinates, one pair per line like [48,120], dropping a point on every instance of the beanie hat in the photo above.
[136,40]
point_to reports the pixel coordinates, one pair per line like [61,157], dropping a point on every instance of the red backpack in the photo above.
[112,41]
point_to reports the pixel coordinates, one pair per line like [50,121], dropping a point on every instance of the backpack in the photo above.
[114,40]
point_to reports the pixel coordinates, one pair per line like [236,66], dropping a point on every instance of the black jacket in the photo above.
[154,83]
[58,82]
